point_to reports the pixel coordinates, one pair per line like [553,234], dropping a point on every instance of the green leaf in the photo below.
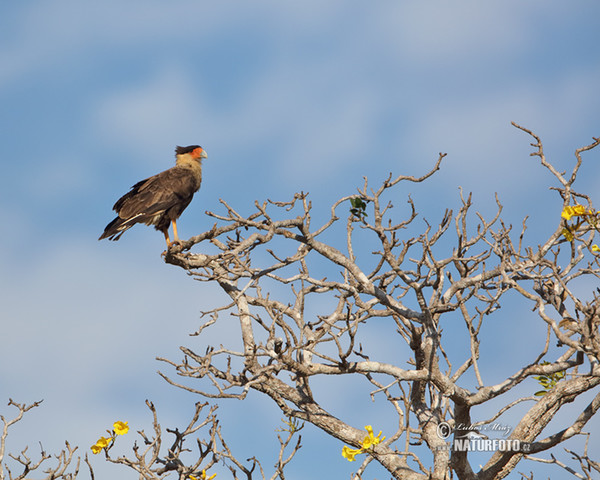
[358,207]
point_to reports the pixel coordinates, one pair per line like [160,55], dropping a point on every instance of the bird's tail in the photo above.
[116,228]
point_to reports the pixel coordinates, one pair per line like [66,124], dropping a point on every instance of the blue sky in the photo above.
[284,96]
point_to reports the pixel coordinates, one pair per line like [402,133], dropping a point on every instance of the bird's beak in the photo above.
[203,154]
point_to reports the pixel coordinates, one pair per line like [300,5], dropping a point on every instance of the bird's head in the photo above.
[191,152]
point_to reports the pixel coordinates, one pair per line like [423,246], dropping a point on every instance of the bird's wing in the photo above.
[157,193]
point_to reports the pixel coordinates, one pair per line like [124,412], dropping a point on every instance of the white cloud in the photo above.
[144,118]
[52,35]
[60,176]
[440,35]
[311,127]
[47,35]
[84,312]
[476,133]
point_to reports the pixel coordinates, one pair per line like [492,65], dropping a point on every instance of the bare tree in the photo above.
[64,467]
[465,266]
[361,267]
[152,461]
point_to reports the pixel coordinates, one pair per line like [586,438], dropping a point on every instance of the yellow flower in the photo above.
[568,234]
[567,213]
[100,444]
[595,248]
[581,210]
[103,442]
[350,453]
[121,428]
[370,439]
[96,449]
[574,211]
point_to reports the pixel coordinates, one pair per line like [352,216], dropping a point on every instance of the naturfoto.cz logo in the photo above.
[473,442]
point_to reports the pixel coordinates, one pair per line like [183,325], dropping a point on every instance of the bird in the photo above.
[160,200]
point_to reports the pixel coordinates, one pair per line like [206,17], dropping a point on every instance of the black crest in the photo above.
[182,150]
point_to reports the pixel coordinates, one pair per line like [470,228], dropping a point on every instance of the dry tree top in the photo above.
[302,298]
[271,264]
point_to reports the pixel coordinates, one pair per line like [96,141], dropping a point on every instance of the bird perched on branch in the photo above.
[161,199]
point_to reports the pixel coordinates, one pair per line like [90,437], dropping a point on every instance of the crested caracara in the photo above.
[160,200]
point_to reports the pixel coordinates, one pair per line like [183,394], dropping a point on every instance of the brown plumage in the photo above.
[160,200]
